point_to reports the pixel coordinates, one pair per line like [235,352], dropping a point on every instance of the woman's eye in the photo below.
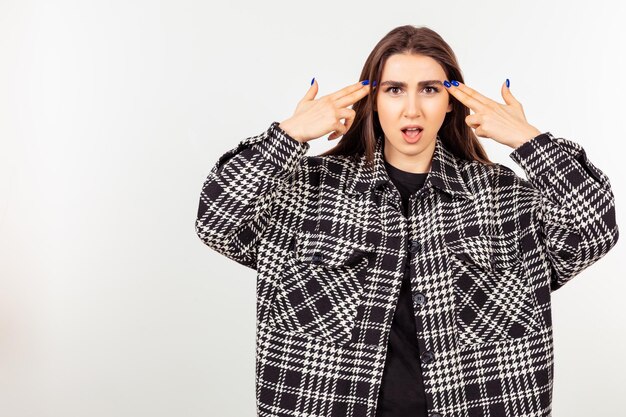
[435,90]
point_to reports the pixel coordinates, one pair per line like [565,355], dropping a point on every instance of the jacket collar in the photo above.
[444,174]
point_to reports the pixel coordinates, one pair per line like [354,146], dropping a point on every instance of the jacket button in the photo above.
[316,258]
[427,357]
[419,298]
[414,246]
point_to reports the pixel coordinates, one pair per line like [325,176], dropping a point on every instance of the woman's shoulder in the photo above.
[494,176]
[313,169]
[337,163]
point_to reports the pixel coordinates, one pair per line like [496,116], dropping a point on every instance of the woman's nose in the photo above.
[412,107]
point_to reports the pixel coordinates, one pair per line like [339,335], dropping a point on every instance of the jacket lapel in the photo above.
[465,226]
[445,173]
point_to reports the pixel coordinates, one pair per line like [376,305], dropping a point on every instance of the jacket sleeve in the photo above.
[576,206]
[236,198]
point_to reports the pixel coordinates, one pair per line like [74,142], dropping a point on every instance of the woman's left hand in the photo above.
[504,123]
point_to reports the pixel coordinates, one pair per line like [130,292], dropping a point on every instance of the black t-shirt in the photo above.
[402,390]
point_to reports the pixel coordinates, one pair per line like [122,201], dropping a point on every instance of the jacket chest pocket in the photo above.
[493,301]
[320,287]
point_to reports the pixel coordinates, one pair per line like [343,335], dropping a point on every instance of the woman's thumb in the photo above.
[507,95]
[312,92]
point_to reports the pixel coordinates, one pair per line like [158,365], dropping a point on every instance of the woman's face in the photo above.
[404,99]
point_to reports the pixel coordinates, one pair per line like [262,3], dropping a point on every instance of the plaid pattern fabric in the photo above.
[328,241]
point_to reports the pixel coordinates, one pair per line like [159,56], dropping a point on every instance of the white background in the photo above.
[112,113]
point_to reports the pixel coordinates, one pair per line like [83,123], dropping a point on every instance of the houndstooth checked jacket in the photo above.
[328,241]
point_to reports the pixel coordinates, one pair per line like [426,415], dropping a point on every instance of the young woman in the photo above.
[402,273]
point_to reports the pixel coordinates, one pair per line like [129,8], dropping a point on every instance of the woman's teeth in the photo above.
[412,132]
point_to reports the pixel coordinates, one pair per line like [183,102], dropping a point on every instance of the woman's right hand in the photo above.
[315,118]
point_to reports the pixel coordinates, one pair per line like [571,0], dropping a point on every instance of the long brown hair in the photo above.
[457,136]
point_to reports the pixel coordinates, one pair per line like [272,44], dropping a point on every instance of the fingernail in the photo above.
[508,83]
[374,83]
[446,83]
[312,80]
[365,82]
[455,83]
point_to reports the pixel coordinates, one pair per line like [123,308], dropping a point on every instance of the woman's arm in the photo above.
[236,198]
[576,206]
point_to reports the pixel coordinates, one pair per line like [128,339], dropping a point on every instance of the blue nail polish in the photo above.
[455,83]
[312,80]
[508,83]
[374,83]
[365,82]
[446,83]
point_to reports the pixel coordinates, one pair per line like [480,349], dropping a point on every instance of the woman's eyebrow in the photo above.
[404,85]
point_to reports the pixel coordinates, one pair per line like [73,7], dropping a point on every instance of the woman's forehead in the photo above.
[411,68]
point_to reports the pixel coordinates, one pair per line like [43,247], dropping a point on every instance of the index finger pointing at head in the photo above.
[473,93]
[353,97]
[464,98]
[348,90]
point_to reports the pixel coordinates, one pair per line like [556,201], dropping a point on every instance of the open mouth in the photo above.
[412,135]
